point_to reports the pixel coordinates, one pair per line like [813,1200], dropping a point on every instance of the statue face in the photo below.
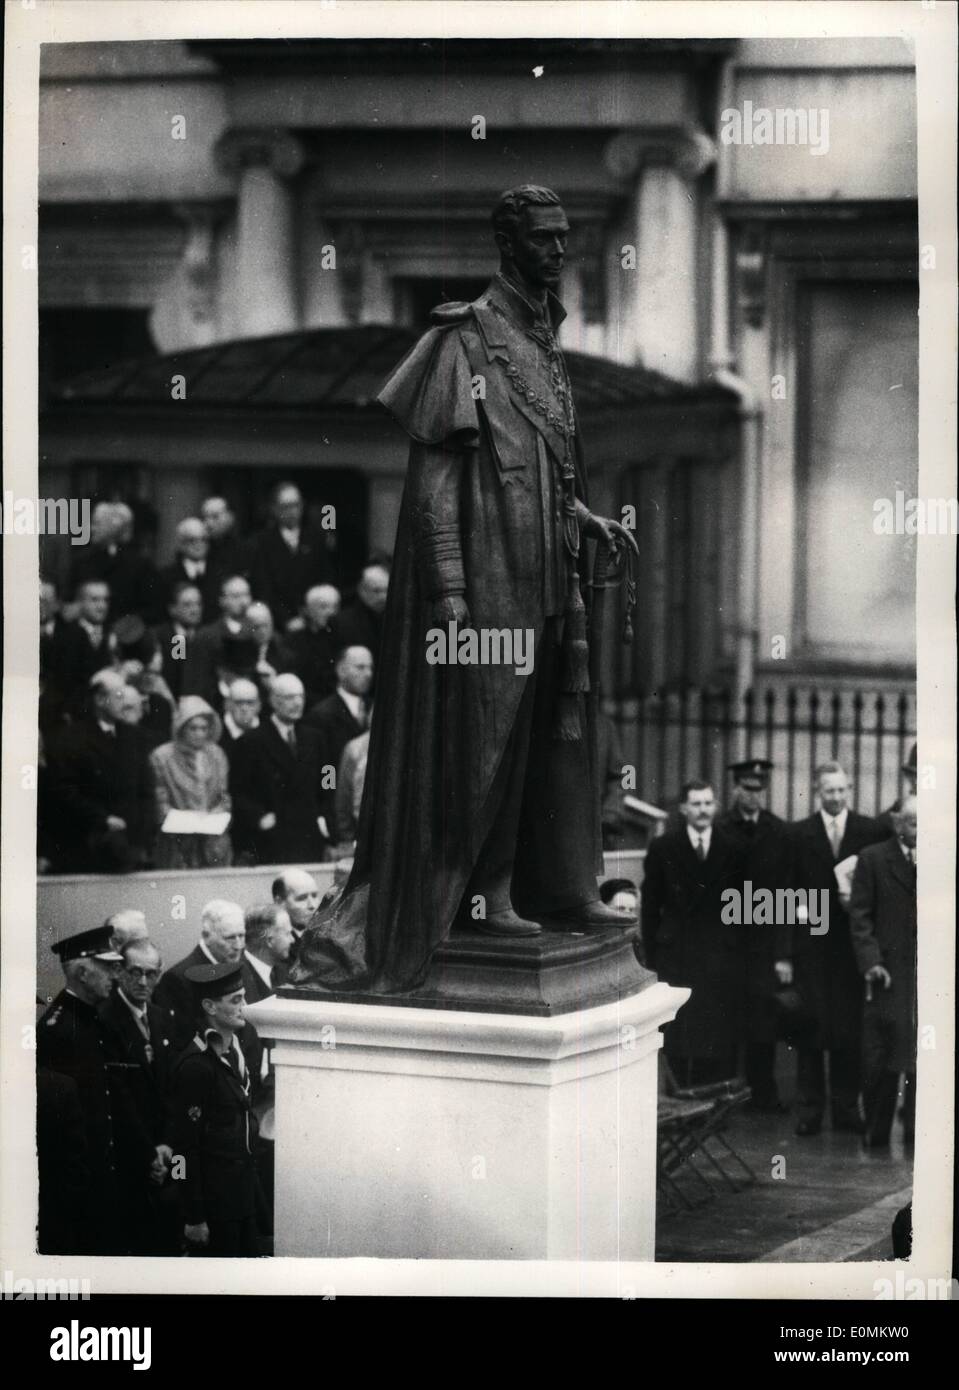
[538,246]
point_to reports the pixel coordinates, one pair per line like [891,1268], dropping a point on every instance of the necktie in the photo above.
[700,848]
[835,838]
[291,740]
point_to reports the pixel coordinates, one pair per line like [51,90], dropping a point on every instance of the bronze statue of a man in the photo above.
[479,807]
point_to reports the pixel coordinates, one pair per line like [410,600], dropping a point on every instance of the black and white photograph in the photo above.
[479,675]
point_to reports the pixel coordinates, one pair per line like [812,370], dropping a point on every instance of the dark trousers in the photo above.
[759,1063]
[880,1089]
[230,1239]
[540,853]
[844,1081]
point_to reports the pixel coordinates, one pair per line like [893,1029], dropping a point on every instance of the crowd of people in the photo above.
[803,933]
[199,714]
[216,712]
[154,1090]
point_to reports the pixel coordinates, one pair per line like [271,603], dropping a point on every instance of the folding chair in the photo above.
[692,1141]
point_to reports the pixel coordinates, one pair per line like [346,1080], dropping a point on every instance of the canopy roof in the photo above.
[327,369]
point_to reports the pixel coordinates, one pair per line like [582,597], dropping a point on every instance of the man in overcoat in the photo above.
[883,921]
[826,973]
[767,851]
[688,943]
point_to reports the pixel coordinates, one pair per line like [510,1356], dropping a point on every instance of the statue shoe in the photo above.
[507,923]
[595,916]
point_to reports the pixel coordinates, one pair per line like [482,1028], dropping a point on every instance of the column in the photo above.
[264,162]
[661,327]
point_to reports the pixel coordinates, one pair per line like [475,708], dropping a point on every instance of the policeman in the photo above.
[215,1088]
[766,846]
[73,1041]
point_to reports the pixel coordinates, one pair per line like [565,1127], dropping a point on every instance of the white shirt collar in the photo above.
[354,703]
[234,727]
[261,968]
[840,820]
[696,835]
[208,953]
[282,728]
[233,625]
[107,728]
[140,1010]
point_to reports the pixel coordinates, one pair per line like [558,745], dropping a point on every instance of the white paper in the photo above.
[195,822]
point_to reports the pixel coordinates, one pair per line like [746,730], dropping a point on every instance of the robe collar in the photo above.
[522,310]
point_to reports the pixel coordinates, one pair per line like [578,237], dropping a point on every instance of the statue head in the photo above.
[530,229]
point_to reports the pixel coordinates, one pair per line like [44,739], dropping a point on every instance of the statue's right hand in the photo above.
[451,608]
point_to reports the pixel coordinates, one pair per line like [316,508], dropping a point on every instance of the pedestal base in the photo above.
[409,1133]
[548,974]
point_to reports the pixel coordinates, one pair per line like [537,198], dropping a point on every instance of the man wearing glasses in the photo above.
[147,1050]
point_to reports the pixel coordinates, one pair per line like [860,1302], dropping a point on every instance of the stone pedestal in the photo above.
[437,1133]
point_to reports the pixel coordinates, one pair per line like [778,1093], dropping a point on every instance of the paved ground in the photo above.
[834,1201]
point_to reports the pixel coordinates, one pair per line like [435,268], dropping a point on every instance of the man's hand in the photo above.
[451,608]
[878,973]
[198,1234]
[116,823]
[268,821]
[784,972]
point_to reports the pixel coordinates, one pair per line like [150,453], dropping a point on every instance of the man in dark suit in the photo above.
[288,557]
[100,777]
[360,624]
[910,776]
[312,647]
[222,939]
[192,565]
[228,553]
[113,559]
[216,1087]
[299,894]
[74,1041]
[826,973]
[269,937]
[342,716]
[207,657]
[147,1048]
[277,781]
[883,921]
[177,636]
[687,943]
[766,848]
[75,651]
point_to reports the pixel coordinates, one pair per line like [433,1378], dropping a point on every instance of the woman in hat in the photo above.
[191,773]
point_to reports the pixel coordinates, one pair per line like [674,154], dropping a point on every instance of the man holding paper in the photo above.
[825,965]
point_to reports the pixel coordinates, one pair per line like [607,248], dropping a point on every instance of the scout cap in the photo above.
[215,981]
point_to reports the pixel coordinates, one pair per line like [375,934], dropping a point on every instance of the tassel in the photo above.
[574,675]
[567,726]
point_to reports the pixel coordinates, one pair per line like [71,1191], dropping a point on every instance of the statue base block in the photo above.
[552,973]
[436,1133]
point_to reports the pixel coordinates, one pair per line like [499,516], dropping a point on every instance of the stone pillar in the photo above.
[415,1133]
[263,162]
[660,325]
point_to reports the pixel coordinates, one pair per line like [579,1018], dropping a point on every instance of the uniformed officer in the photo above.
[215,1088]
[73,1041]
[766,847]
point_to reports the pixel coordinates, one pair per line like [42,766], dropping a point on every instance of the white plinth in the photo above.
[435,1134]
